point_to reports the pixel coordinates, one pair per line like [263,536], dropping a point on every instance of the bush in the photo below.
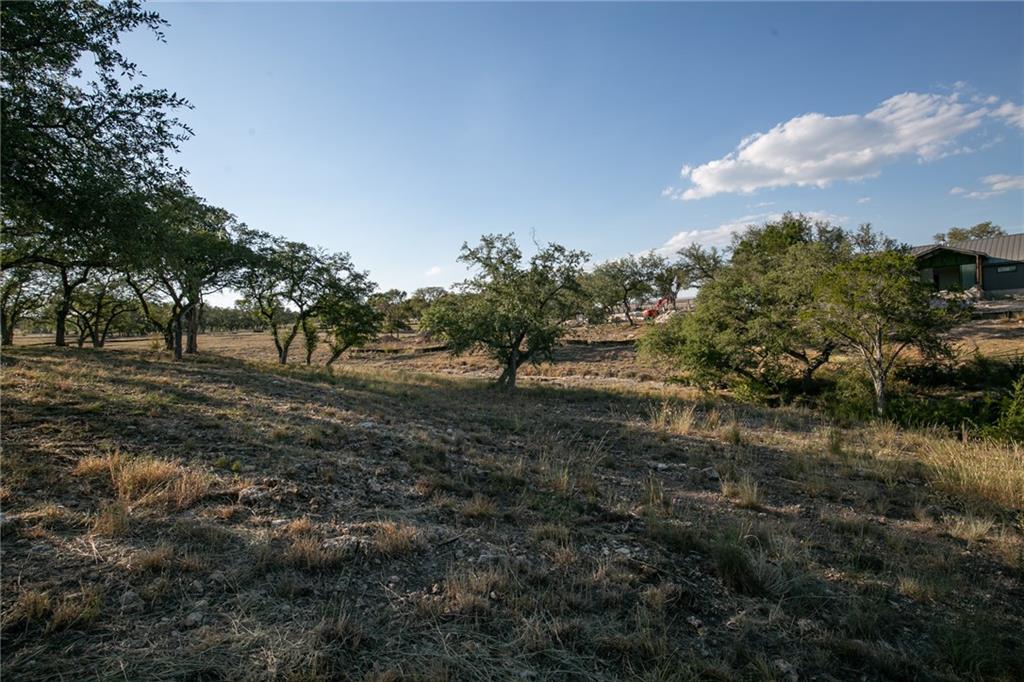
[850,397]
[1010,423]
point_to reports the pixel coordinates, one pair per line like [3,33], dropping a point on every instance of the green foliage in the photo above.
[850,397]
[513,311]
[393,308]
[748,329]
[285,280]
[1010,423]
[979,231]
[621,283]
[348,317]
[83,140]
[876,306]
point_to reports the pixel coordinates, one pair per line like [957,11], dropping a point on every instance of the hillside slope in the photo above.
[228,519]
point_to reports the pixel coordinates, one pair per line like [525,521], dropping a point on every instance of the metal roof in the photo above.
[1005,247]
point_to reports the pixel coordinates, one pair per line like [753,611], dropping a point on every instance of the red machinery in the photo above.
[658,308]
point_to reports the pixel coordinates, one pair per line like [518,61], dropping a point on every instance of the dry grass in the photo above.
[159,558]
[674,418]
[309,553]
[744,491]
[147,481]
[393,539]
[971,529]
[991,473]
[111,520]
[570,531]
[479,507]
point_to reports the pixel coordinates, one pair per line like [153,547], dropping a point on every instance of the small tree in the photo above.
[310,338]
[348,318]
[626,280]
[877,307]
[21,292]
[512,311]
[699,265]
[200,254]
[747,328]
[394,310]
[979,231]
[98,304]
[422,299]
[286,283]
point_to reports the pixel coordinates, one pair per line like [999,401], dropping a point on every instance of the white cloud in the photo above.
[864,200]
[816,150]
[1002,183]
[722,235]
[433,271]
[996,185]
[1012,113]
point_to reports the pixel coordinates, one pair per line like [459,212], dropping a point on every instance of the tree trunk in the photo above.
[335,354]
[880,396]
[507,380]
[177,337]
[63,310]
[193,329]
[625,307]
[7,323]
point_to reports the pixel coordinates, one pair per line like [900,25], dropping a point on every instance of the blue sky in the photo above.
[396,132]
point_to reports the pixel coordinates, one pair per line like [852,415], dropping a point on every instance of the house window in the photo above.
[1006,268]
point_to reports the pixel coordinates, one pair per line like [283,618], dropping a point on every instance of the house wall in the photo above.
[995,280]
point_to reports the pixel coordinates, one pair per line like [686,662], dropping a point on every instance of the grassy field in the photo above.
[227,518]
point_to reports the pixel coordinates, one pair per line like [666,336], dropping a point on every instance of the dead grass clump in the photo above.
[35,608]
[31,607]
[159,558]
[479,507]
[673,418]
[744,491]
[675,536]
[298,527]
[112,519]
[554,532]
[735,568]
[308,553]
[471,592]
[77,609]
[147,480]
[394,539]
[986,471]
[971,529]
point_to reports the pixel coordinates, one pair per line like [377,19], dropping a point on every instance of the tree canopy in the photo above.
[510,309]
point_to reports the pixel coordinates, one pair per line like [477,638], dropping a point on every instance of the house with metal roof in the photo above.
[993,264]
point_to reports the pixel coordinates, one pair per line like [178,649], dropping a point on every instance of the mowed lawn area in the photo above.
[224,517]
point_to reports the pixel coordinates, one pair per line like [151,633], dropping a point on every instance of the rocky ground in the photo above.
[225,518]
